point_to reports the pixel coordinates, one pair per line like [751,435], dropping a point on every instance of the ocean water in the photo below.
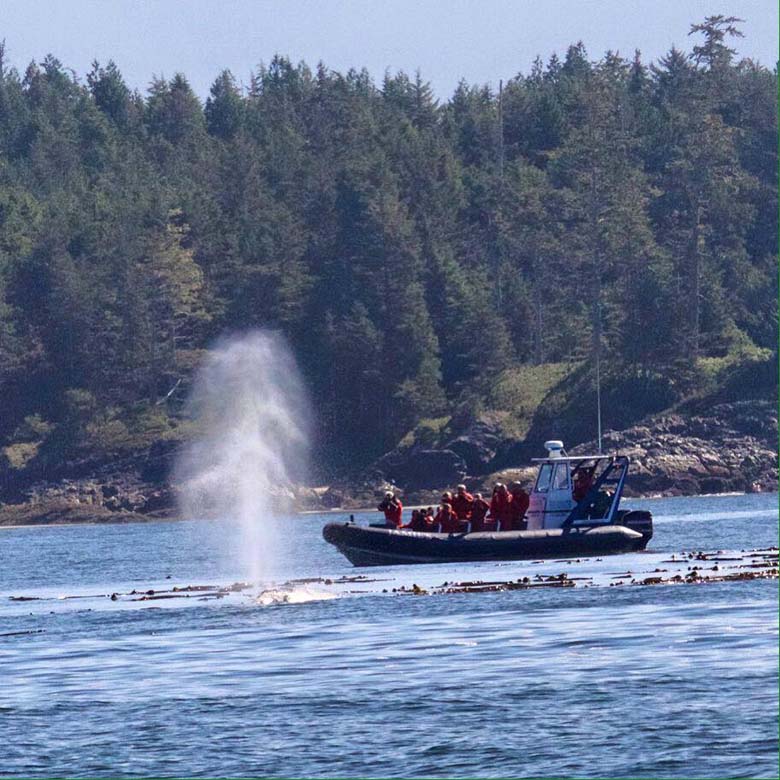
[348,678]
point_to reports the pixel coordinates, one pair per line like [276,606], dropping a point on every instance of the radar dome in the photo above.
[554,448]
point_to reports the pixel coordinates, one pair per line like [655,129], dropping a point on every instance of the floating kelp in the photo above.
[762,564]
[685,568]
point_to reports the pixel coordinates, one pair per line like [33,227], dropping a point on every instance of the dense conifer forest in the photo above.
[412,250]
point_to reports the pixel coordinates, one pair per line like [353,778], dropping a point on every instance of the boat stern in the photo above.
[638,520]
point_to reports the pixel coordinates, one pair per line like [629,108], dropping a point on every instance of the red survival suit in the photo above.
[393,510]
[448,520]
[519,506]
[582,484]
[462,504]
[501,509]
[479,508]
[420,522]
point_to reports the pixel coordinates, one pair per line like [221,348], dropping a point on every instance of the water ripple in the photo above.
[644,682]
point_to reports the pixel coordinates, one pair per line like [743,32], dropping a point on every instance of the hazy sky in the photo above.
[479,40]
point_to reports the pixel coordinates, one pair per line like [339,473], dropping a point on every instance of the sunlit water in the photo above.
[664,681]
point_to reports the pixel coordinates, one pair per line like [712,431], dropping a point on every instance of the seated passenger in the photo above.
[600,507]
[519,506]
[393,509]
[479,508]
[413,520]
[420,521]
[501,507]
[448,521]
[462,503]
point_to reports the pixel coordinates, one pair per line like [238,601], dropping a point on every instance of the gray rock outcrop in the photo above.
[731,448]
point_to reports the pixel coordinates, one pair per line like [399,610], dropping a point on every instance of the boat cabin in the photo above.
[579,490]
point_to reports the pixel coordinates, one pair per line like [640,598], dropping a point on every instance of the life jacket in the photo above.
[420,522]
[393,512]
[461,503]
[447,519]
[581,487]
[501,510]
[519,506]
[479,508]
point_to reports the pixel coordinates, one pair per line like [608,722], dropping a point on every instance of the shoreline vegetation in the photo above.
[447,273]
[669,458]
[709,445]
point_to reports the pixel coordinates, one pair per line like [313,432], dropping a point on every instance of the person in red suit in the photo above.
[462,502]
[393,509]
[519,506]
[448,520]
[420,521]
[582,483]
[479,509]
[501,507]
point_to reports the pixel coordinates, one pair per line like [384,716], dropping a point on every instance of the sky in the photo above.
[480,41]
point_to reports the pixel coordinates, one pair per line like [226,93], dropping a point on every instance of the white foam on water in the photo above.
[252,418]
[299,595]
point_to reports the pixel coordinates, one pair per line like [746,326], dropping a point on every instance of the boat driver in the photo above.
[583,479]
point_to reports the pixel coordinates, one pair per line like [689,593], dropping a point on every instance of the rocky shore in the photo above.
[727,448]
[131,489]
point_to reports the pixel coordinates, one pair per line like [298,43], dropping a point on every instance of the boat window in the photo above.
[561,478]
[543,480]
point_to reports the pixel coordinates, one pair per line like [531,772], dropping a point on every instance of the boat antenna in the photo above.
[598,398]
[598,374]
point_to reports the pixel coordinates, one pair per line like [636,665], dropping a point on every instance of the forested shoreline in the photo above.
[412,251]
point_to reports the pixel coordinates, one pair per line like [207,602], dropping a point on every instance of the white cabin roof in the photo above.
[570,458]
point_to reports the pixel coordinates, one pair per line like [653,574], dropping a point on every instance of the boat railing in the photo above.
[614,474]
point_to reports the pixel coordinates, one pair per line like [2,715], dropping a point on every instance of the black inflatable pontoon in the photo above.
[386,546]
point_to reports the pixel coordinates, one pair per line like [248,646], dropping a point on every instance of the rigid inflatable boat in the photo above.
[558,525]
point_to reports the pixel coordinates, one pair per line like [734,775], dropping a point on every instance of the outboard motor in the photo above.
[638,520]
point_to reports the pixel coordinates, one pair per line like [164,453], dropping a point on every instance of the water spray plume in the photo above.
[251,443]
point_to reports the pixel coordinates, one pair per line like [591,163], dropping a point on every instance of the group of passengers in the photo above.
[464,512]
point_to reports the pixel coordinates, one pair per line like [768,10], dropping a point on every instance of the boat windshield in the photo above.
[543,480]
[561,478]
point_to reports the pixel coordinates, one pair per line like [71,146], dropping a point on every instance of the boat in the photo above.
[558,525]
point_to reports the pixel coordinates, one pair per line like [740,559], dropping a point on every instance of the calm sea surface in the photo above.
[664,681]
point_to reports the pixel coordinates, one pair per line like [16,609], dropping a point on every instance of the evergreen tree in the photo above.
[224,110]
[410,250]
[110,92]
